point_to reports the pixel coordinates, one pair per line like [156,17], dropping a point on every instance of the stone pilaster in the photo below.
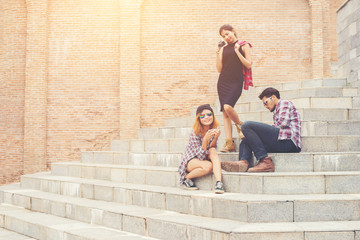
[35,86]
[348,18]
[317,42]
[130,76]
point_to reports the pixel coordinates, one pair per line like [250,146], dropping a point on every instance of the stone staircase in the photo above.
[132,192]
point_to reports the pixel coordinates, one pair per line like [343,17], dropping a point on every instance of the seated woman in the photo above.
[200,156]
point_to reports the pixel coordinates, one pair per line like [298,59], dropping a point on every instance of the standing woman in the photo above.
[230,61]
[200,156]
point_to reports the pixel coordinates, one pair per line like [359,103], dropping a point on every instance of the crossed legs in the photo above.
[199,168]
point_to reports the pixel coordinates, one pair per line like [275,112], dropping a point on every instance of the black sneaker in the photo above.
[219,187]
[189,184]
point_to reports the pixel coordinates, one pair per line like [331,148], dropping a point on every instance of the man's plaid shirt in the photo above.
[287,118]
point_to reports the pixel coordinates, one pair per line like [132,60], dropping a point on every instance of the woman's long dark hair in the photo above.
[227,27]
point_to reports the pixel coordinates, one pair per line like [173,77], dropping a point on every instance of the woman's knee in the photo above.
[227,107]
[214,156]
[207,168]
[212,152]
[246,125]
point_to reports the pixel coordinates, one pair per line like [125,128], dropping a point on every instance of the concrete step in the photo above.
[344,143]
[153,222]
[256,105]
[45,226]
[326,92]
[10,235]
[310,83]
[284,162]
[309,88]
[309,114]
[309,128]
[257,183]
[301,103]
[233,206]
[325,82]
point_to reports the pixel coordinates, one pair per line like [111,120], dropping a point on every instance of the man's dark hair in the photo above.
[268,92]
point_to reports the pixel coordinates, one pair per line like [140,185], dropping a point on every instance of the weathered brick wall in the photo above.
[130,68]
[77,74]
[293,40]
[36,72]
[349,41]
[12,84]
[179,42]
[83,77]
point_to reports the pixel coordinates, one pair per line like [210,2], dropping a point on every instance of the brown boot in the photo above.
[265,165]
[229,146]
[239,166]
[238,128]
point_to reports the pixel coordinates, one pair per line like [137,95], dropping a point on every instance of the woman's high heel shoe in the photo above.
[229,146]
[238,128]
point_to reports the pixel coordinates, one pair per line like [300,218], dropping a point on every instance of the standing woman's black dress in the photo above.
[230,83]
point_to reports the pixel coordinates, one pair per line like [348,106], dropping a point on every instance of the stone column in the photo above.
[317,42]
[36,86]
[130,77]
[349,42]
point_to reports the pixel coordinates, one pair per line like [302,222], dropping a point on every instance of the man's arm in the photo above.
[283,117]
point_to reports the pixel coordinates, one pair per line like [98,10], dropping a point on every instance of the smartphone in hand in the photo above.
[221,43]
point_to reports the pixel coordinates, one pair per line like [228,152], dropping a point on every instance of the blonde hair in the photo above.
[199,128]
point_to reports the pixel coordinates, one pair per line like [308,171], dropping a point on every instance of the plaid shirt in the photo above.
[192,150]
[287,118]
[247,73]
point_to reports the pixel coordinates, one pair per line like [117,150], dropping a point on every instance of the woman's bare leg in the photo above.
[232,114]
[198,168]
[215,159]
[227,125]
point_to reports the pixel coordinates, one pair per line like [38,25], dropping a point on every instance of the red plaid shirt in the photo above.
[287,118]
[247,73]
[193,150]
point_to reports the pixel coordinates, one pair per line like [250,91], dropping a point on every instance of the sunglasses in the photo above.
[205,114]
[266,101]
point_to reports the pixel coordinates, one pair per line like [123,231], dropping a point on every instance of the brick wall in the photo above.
[77,74]
[35,109]
[349,41]
[179,42]
[12,84]
[83,77]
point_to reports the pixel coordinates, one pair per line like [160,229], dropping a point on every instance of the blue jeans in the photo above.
[262,138]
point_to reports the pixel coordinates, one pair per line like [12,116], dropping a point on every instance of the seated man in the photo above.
[260,138]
